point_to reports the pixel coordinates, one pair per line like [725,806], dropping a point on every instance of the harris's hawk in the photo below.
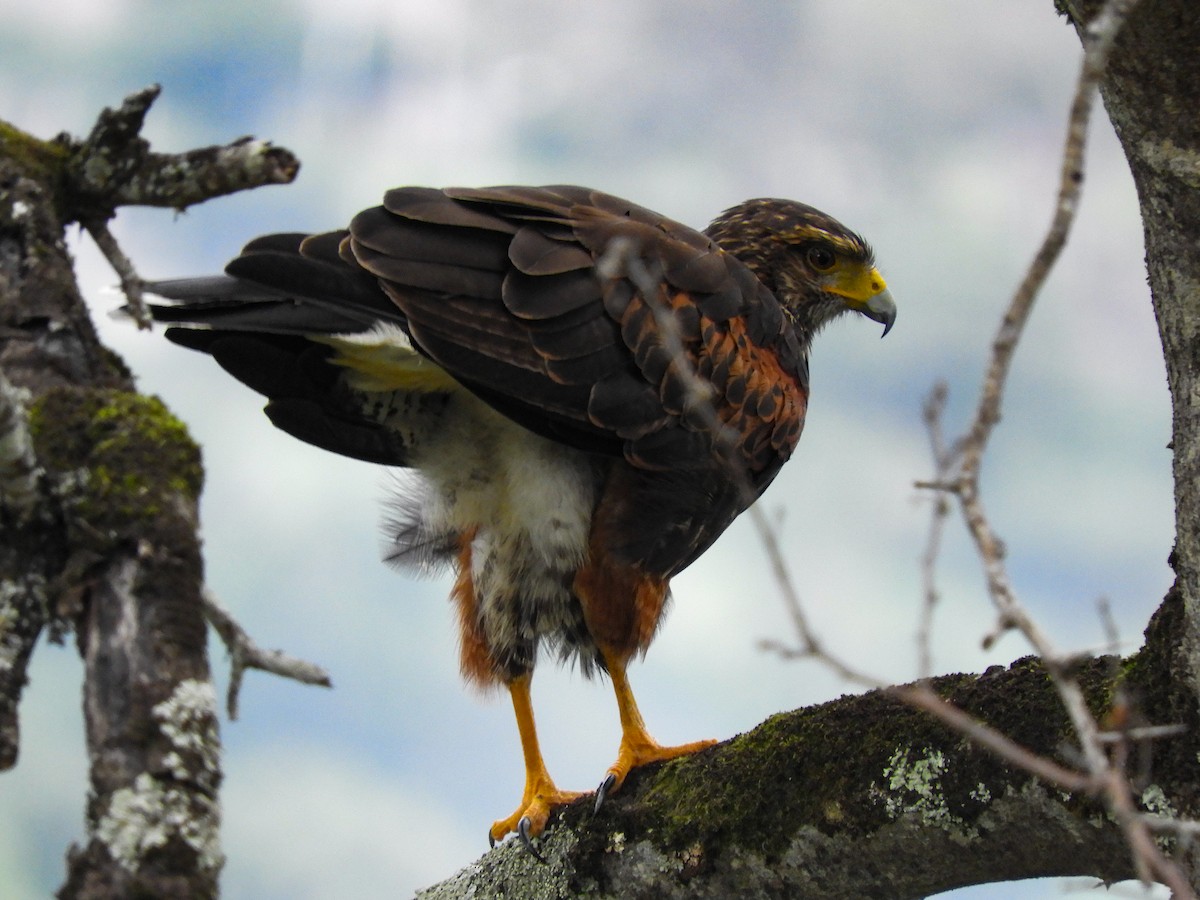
[587,392]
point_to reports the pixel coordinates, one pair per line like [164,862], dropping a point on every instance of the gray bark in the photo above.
[98,491]
[1151,94]
[861,797]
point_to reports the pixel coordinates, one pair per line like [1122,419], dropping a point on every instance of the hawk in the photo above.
[586,392]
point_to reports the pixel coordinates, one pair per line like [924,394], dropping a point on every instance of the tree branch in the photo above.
[245,654]
[98,490]
[115,167]
[798,806]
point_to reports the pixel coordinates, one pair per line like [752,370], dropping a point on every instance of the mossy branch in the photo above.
[98,508]
[861,797]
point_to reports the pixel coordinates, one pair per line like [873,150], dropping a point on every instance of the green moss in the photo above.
[848,766]
[1162,696]
[44,161]
[116,365]
[120,457]
[735,792]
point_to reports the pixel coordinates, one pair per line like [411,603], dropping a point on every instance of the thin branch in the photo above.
[131,282]
[919,695]
[115,167]
[1099,37]
[1101,34]
[932,412]
[245,654]
[1141,733]
[810,643]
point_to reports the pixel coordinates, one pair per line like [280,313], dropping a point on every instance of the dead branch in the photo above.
[97,508]
[114,166]
[245,654]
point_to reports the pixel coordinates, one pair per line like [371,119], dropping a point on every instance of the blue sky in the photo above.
[933,131]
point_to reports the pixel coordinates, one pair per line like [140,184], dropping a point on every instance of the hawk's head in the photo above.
[816,267]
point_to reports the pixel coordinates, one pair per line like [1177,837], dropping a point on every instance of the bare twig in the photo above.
[935,405]
[1099,38]
[114,166]
[1141,733]
[131,282]
[244,654]
[810,643]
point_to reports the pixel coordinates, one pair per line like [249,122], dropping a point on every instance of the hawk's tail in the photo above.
[276,320]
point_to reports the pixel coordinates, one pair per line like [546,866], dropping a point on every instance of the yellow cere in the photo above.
[857,282]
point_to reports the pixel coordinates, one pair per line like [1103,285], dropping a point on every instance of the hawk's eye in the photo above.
[820,258]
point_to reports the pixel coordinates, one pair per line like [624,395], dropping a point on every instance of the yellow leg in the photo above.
[541,795]
[637,746]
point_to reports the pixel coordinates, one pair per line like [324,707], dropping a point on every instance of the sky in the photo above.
[933,131]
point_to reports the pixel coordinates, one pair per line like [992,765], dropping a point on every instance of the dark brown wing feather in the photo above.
[501,287]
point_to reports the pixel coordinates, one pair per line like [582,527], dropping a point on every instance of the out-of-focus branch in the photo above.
[131,282]
[98,488]
[114,166]
[245,654]
[932,412]
[959,475]
[1101,33]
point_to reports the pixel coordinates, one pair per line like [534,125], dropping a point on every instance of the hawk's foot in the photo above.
[637,749]
[529,819]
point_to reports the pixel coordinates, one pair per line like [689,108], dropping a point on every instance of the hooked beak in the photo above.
[881,308]
[864,291]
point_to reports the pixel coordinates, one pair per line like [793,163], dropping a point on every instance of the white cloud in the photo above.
[301,821]
[68,22]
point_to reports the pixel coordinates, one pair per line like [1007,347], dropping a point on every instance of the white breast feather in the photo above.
[530,503]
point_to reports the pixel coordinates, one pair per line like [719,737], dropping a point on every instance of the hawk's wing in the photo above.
[587,319]
[577,314]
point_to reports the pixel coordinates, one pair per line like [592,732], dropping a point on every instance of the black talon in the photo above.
[523,834]
[491,840]
[602,792]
